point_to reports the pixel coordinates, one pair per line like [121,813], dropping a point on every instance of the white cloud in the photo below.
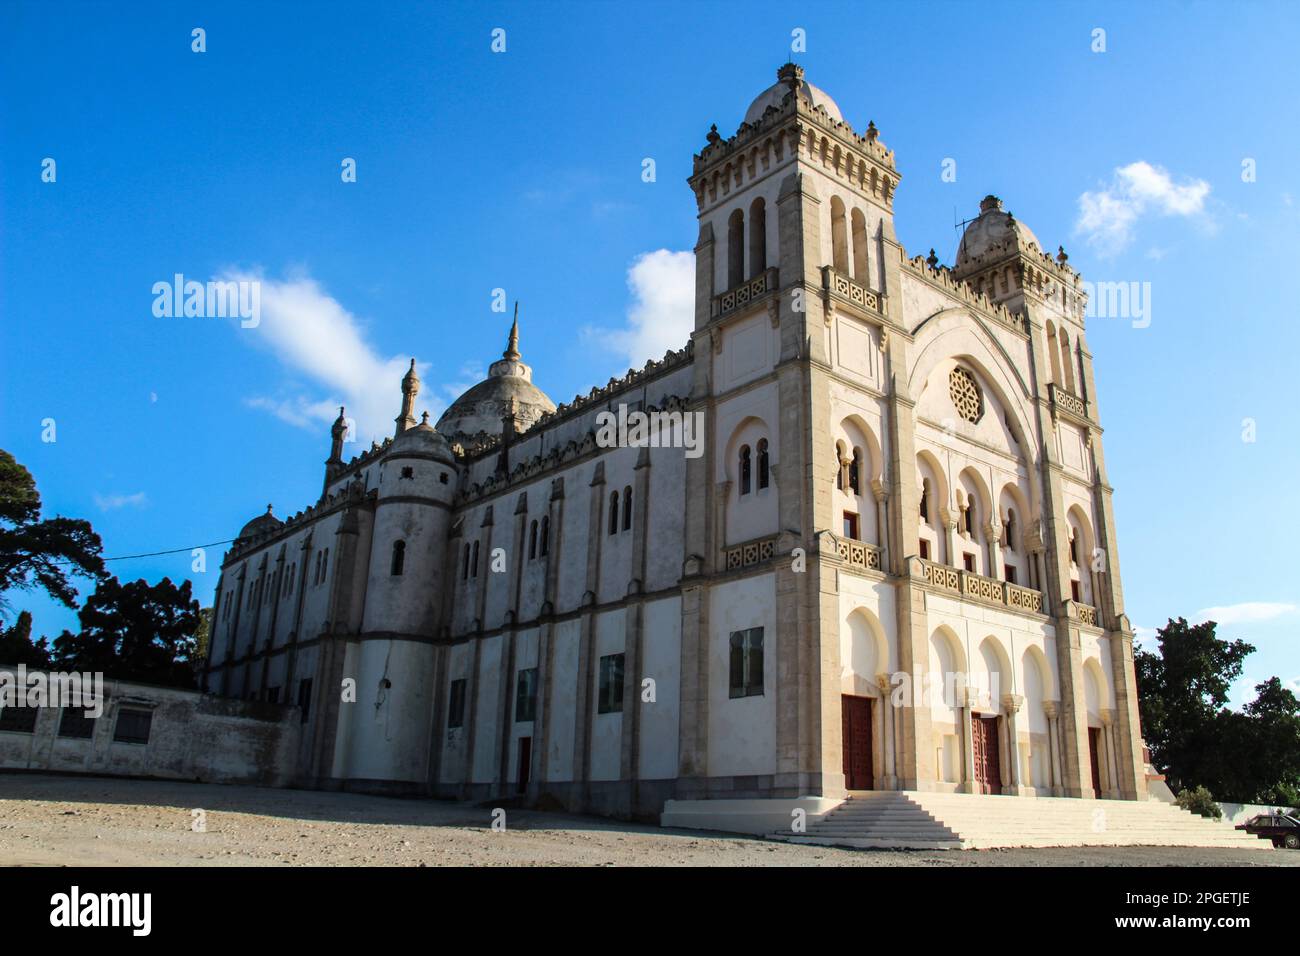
[314,336]
[661,315]
[1107,216]
[1248,612]
[113,502]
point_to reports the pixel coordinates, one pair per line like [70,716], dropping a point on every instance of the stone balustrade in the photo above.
[745,293]
[1068,401]
[858,554]
[855,292]
[977,587]
[748,553]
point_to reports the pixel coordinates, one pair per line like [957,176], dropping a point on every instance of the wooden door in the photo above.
[525,764]
[856,743]
[988,763]
[1094,758]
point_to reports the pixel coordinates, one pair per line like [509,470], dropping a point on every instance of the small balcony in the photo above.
[761,286]
[967,584]
[852,291]
[1067,402]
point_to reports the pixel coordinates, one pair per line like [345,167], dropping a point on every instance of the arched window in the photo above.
[839,465]
[1009,530]
[1053,354]
[855,472]
[399,558]
[839,237]
[473,566]
[464,573]
[744,469]
[1067,367]
[860,247]
[762,463]
[315,575]
[1074,548]
[925,500]
[735,249]
[546,535]
[532,541]
[757,238]
[627,508]
[613,512]
[969,516]
[325,564]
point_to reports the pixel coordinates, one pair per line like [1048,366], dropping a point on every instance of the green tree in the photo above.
[37,553]
[135,631]
[17,646]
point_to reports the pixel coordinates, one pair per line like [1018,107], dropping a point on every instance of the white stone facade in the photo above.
[901,474]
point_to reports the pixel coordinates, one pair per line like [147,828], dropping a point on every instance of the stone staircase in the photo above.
[935,821]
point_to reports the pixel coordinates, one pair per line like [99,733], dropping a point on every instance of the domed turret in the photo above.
[262,524]
[787,78]
[509,386]
[423,439]
[995,234]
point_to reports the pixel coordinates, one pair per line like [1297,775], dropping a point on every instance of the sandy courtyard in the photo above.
[83,821]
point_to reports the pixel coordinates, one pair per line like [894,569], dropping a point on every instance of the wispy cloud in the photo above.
[1248,612]
[661,315]
[114,502]
[316,337]
[1108,216]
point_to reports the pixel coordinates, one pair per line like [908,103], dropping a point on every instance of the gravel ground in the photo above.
[83,821]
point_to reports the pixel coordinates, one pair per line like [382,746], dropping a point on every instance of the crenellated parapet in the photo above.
[943,278]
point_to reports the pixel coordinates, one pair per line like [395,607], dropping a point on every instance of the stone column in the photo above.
[993,534]
[889,779]
[1107,758]
[1051,710]
[950,535]
[1011,706]
[881,494]
[966,717]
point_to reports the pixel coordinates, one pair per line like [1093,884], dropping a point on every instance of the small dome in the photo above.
[262,524]
[508,389]
[422,439]
[995,233]
[775,94]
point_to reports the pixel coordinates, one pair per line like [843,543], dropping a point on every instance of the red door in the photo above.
[856,742]
[525,764]
[988,764]
[1094,750]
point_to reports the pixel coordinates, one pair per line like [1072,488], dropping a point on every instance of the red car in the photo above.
[1282,828]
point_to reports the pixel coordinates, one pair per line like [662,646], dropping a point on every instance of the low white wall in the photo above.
[744,816]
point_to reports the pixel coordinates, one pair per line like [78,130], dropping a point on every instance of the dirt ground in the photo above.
[84,821]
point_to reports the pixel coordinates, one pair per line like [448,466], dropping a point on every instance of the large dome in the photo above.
[262,524]
[995,233]
[775,94]
[508,388]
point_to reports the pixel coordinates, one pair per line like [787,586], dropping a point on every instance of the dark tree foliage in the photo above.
[135,631]
[17,646]
[40,554]
[1251,756]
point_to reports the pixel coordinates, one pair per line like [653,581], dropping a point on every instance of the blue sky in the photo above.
[522,171]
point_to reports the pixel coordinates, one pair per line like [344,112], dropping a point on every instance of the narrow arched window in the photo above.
[757,238]
[839,237]
[1010,527]
[473,565]
[762,463]
[627,508]
[839,465]
[860,247]
[532,541]
[925,500]
[325,565]
[855,472]
[613,512]
[545,548]
[464,573]
[1074,548]
[399,558]
[745,467]
[970,516]
[1054,354]
[735,249]
[315,575]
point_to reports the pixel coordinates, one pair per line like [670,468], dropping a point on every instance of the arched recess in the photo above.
[757,237]
[1053,354]
[1080,557]
[931,479]
[861,260]
[1014,519]
[1037,688]
[995,677]
[854,433]
[839,236]
[865,653]
[735,249]
[978,510]
[945,692]
[753,514]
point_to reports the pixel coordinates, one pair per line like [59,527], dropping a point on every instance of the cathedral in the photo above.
[890,564]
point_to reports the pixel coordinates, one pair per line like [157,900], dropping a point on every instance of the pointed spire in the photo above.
[512,346]
[410,388]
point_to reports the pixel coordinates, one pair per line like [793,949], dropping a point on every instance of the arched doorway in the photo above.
[856,716]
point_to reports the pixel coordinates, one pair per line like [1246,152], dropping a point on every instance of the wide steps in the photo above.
[943,820]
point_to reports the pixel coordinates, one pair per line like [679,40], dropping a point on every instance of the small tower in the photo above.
[410,388]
